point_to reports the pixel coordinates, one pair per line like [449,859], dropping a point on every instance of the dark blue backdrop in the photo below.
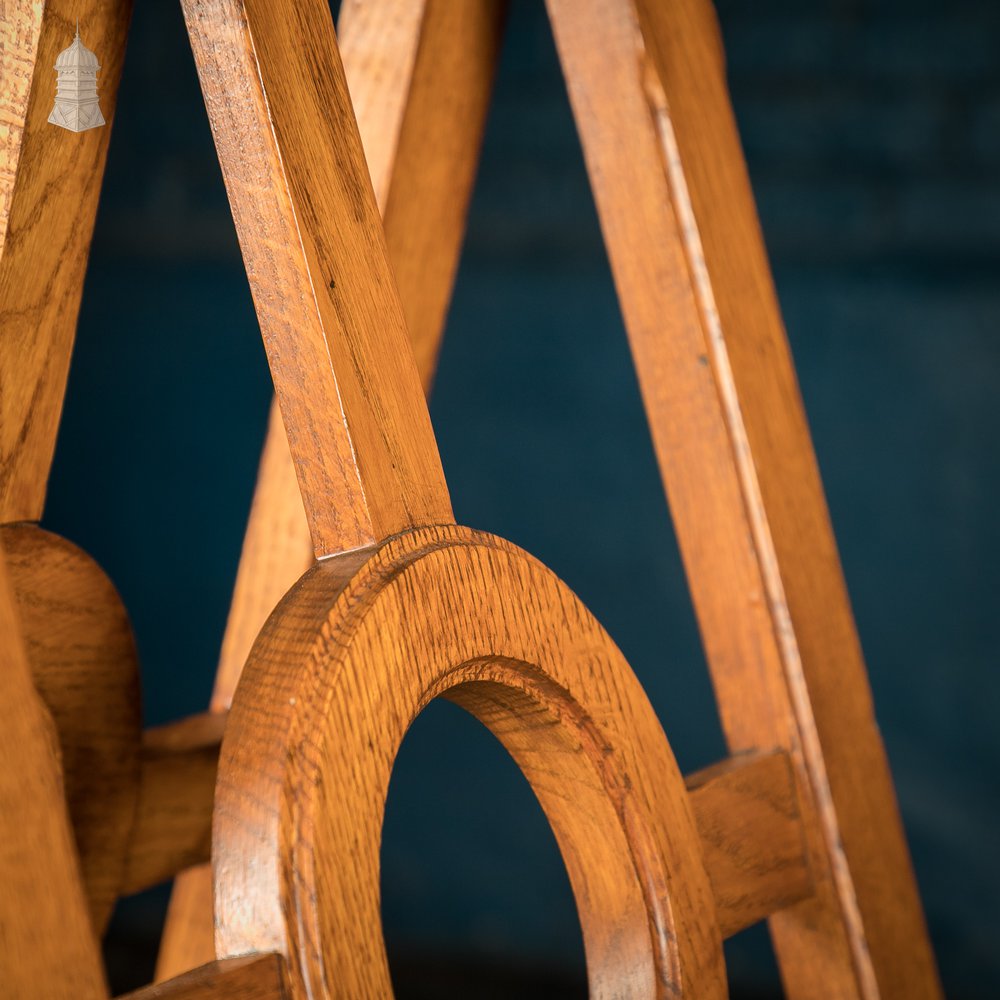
[872,129]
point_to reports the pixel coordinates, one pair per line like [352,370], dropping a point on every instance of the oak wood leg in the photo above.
[648,92]
[420,73]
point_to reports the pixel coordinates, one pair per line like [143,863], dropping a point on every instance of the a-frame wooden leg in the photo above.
[50,180]
[647,85]
[420,73]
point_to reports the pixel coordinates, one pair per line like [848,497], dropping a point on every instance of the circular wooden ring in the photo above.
[84,664]
[343,667]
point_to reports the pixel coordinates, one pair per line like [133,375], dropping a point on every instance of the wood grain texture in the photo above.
[415,68]
[756,856]
[253,977]
[734,451]
[314,249]
[173,828]
[342,668]
[189,931]
[84,664]
[50,180]
[276,552]
[47,943]
[745,810]
[421,76]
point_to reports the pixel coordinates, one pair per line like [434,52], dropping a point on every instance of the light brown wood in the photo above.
[734,451]
[752,841]
[339,672]
[404,606]
[359,433]
[745,810]
[85,667]
[50,179]
[173,828]
[47,944]
[276,552]
[421,74]
[189,931]
[254,977]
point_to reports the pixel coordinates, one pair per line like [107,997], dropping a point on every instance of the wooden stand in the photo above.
[387,604]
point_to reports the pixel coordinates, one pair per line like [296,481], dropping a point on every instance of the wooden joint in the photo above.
[752,837]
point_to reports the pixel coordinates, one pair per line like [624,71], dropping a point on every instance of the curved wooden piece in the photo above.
[47,944]
[420,74]
[83,660]
[340,671]
[50,180]
[677,213]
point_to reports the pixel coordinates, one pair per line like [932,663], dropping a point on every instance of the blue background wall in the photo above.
[872,130]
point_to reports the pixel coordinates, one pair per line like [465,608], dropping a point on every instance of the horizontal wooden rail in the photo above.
[255,977]
[745,809]
[752,838]
[173,828]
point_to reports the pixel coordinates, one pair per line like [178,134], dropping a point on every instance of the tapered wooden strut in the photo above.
[399,57]
[648,92]
[359,433]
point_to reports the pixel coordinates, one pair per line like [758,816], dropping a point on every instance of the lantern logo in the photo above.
[76,106]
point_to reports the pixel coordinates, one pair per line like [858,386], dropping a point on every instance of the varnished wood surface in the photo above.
[254,977]
[421,75]
[797,551]
[189,931]
[50,180]
[339,672]
[85,667]
[312,241]
[734,451]
[173,828]
[47,942]
[745,810]
[752,840]
[276,552]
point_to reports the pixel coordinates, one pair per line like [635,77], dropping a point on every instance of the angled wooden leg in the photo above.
[648,91]
[420,73]
[47,943]
[50,180]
